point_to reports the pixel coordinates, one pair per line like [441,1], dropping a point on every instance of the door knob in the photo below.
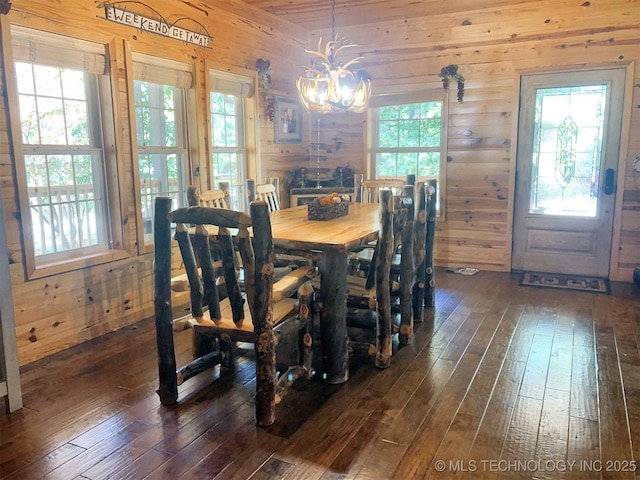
[609,181]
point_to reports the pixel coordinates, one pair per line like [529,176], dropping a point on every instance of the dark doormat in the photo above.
[569,282]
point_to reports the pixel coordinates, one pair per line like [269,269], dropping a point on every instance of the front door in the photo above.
[567,159]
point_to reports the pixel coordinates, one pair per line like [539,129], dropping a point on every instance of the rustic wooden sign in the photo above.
[155,25]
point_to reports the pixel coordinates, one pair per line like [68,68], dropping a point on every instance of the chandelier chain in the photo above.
[333,19]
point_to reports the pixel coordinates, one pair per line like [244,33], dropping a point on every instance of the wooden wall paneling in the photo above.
[108,298]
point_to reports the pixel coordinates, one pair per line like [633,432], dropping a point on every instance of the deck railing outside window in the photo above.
[63,217]
[149,190]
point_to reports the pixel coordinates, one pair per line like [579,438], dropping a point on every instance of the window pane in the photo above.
[430,132]
[29,119]
[73,85]
[217,103]
[47,80]
[51,115]
[409,134]
[76,116]
[230,105]
[231,133]
[386,163]
[429,164]
[388,134]
[228,168]
[219,131]
[83,169]
[170,139]
[24,76]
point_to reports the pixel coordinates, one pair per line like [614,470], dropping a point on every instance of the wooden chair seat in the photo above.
[238,332]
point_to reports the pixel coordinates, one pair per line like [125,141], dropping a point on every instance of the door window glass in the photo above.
[567,147]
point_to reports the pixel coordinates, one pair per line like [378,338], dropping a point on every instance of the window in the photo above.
[60,85]
[160,88]
[228,102]
[408,137]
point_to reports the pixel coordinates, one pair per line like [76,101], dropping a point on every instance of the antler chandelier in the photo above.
[333,86]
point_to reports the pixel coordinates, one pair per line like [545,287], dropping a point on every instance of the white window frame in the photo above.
[413,97]
[160,72]
[41,48]
[240,86]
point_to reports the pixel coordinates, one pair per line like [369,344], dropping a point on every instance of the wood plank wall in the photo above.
[59,311]
[492,47]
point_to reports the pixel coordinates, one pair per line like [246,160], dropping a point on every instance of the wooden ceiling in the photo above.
[316,14]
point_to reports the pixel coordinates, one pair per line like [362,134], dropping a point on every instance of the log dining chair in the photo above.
[410,270]
[255,316]
[370,189]
[267,193]
[290,271]
[369,192]
[207,198]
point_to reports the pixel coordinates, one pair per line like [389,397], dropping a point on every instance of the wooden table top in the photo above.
[292,229]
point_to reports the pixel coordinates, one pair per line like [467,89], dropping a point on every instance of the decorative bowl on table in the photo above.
[329,207]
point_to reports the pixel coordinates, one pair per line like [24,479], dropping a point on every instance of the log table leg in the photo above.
[333,324]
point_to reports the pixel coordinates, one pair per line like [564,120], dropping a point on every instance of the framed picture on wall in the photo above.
[288,121]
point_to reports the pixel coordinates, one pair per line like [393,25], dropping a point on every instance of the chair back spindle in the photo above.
[419,252]
[382,277]
[430,291]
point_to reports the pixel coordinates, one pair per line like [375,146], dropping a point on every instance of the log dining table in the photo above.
[333,239]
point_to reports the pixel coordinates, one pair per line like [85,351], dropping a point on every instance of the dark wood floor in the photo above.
[501,381]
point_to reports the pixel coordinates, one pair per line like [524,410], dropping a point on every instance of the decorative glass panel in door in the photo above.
[567,143]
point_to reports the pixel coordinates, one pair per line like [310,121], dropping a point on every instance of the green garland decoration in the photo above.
[450,72]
